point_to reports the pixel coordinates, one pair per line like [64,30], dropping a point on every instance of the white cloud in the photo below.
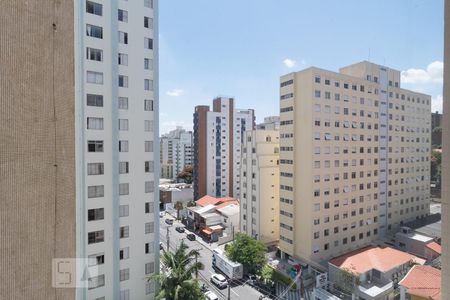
[175,93]
[289,63]
[303,61]
[436,104]
[433,74]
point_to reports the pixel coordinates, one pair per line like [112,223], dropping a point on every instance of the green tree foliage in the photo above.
[436,165]
[186,174]
[348,281]
[176,280]
[248,251]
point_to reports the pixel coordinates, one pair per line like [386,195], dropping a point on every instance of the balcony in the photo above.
[375,289]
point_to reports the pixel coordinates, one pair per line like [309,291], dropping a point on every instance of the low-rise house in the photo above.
[211,216]
[371,272]
[421,283]
[417,244]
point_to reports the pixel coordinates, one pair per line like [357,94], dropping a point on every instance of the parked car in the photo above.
[191,236]
[211,296]
[169,221]
[180,229]
[219,280]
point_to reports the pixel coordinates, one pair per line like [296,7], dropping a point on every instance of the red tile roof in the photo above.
[206,200]
[227,203]
[423,281]
[382,259]
[435,247]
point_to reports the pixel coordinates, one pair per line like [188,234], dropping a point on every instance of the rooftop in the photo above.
[229,210]
[435,247]
[423,281]
[382,259]
[206,200]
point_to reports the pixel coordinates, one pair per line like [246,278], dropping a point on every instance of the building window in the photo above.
[123,81]
[94,54]
[149,166]
[124,189]
[94,100]
[95,237]
[123,146]
[96,259]
[124,274]
[149,248]
[124,295]
[95,214]
[148,3]
[124,210]
[123,103]
[124,253]
[148,125]
[149,268]
[94,31]
[94,8]
[123,167]
[148,85]
[148,145]
[148,22]
[95,146]
[123,37]
[95,169]
[123,124]
[96,191]
[94,77]
[149,227]
[149,186]
[124,232]
[149,207]
[123,59]
[95,282]
[148,64]
[148,43]
[148,105]
[123,15]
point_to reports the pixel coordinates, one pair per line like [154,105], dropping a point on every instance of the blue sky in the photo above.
[240,48]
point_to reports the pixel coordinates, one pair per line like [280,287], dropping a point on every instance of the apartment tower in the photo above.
[37,156]
[175,152]
[79,113]
[446,161]
[354,159]
[218,136]
[117,131]
[260,185]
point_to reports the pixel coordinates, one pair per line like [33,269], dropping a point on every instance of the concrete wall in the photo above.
[37,158]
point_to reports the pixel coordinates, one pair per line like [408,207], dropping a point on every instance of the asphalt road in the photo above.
[239,290]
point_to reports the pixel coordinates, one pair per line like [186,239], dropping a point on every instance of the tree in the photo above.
[248,251]
[176,280]
[186,174]
[436,165]
[347,280]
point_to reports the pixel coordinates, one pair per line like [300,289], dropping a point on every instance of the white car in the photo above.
[211,296]
[219,280]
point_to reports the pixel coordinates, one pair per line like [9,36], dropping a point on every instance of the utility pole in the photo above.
[229,290]
[196,270]
[168,238]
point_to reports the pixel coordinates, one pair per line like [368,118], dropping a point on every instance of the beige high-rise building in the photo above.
[260,185]
[446,162]
[354,159]
[37,138]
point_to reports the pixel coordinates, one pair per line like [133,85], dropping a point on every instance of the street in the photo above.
[239,290]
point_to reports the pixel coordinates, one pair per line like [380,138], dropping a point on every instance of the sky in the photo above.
[240,48]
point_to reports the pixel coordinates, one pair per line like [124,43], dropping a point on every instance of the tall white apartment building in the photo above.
[260,185]
[354,159]
[116,134]
[175,152]
[218,136]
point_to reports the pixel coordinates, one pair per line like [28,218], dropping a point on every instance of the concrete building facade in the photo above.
[218,136]
[37,160]
[79,111]
[260,185]
[446,161]
[175,152]
[436,130]
[270,123]
[117,134]
[354,159]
